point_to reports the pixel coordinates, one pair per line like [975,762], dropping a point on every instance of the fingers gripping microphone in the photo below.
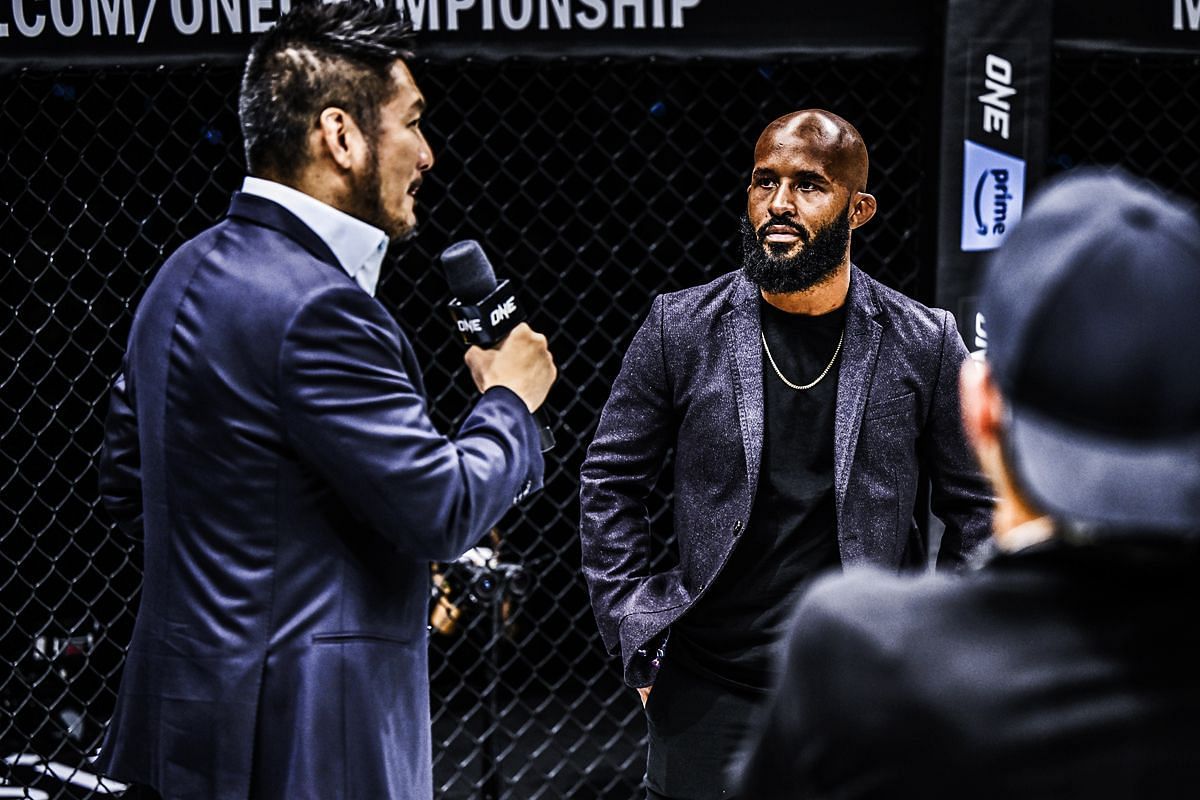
[483,310]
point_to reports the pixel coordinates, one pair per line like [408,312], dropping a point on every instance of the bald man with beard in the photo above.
[802,399]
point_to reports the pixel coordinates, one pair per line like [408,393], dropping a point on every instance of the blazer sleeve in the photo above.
[355,415]
[617,477]
[120,462]
[960,496]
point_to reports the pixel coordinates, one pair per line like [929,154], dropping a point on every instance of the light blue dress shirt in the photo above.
[358,246]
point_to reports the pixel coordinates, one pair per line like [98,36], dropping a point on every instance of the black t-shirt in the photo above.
[729,633]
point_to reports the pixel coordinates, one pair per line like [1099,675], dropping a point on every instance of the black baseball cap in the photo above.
[1092,313]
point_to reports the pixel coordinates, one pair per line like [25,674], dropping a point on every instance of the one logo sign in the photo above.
[997,99]
[980,333]
[993,196]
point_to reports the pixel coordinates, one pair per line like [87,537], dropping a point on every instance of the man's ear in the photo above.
[340,138]
[982,407]
[863,209]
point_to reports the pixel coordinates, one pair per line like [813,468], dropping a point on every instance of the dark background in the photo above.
[596,182]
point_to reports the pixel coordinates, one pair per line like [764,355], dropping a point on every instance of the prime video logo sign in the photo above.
[993,196]
[993,181]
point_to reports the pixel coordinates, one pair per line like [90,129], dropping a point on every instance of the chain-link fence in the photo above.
[597,183]
[1142,112]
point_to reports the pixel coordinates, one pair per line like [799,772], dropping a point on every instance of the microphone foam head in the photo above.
[468,271]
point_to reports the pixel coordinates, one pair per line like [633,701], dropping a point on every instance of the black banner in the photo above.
[82,32]
[994,112]
[63,32]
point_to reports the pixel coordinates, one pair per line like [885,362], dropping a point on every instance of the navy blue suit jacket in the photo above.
[270,439]
[692,380]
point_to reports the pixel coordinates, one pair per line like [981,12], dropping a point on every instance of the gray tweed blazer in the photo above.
[692,380]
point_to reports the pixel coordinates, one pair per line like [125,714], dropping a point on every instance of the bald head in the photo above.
[825,137]
[807,193]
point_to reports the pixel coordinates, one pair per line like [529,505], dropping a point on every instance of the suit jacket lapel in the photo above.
[741,326]
[859,353]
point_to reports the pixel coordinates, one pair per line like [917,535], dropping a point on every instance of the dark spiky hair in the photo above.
[319,54]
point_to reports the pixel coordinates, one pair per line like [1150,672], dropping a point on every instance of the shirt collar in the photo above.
[358,246]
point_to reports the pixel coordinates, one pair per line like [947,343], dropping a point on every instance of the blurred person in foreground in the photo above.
[270,440]
[1069,665]
[802,399]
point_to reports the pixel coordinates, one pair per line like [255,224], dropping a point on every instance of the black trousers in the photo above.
[696,730]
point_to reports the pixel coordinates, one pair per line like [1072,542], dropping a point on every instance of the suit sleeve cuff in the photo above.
[529,435]
[507,395]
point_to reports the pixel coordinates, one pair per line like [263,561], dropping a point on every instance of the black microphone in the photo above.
[484,311]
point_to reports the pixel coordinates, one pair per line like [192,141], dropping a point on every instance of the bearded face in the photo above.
[783,268]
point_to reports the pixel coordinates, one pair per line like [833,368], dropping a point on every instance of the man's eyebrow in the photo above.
[807,175]
[418,105]
[810,176]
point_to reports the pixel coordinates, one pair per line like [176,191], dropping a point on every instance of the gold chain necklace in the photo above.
[819,378]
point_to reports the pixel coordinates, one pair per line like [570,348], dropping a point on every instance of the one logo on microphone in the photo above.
[488,320]
[993,196]
[504,311]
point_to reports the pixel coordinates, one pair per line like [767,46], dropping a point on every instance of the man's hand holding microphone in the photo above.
[520,362]
[504,350]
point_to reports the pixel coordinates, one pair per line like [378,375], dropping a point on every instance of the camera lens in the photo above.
[485,586]
[518,582]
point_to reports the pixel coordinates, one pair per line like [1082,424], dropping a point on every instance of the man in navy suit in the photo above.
[802,399]
[270,441]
